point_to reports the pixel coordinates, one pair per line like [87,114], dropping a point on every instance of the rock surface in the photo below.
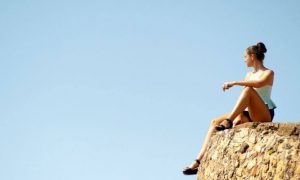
[253,151]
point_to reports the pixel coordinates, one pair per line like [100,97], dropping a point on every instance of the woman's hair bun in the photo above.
[261,48]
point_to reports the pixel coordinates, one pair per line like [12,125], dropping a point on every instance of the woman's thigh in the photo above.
[258,110]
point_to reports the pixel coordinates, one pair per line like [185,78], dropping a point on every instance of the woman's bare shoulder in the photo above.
[269,72]
[248,75]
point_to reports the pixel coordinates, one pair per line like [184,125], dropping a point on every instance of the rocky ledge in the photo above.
[253,151]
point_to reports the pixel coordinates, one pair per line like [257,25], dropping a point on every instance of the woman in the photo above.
[253,105]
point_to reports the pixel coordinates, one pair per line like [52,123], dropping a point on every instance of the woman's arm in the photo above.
[262,81]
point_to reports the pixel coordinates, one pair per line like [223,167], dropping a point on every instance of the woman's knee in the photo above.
[248,89]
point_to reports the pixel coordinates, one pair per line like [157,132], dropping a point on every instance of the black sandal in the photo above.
[191,171]
[221,127]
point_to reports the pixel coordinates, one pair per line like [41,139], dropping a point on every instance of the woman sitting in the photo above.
[253,105]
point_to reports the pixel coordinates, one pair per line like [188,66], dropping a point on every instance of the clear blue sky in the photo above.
[107,90]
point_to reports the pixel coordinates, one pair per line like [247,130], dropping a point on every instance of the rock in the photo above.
[244,147]
[253,151]
[271,151]
[252,138]
[297,171]
[251,164]
[280,141]
[254,171]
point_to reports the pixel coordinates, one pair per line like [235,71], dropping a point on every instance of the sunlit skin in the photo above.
[248,99]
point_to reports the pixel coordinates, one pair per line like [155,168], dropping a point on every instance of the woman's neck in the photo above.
[258,66]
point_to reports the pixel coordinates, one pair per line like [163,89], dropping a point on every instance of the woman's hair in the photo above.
[259,50]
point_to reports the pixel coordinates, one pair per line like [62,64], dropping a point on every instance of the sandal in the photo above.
[191,171]
[221,127]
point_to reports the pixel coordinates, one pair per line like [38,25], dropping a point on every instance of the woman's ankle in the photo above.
[195,164]
[228,122]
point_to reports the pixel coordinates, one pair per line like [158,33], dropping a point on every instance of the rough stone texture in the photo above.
[253,151]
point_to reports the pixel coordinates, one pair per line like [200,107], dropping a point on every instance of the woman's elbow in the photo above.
[259,84]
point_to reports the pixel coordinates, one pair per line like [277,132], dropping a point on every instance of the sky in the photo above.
[106,90]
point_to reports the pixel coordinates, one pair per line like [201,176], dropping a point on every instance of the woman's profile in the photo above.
[253,105]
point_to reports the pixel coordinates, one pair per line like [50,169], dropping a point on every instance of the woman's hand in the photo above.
[227,85]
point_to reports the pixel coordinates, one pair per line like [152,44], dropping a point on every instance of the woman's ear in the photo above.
[252,56]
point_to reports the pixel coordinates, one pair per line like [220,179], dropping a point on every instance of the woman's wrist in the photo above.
[233,83]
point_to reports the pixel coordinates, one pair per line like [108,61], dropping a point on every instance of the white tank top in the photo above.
[265,93]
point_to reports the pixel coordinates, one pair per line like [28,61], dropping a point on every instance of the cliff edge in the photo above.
[253,151]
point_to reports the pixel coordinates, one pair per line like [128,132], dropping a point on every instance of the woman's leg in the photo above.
[257,109]
[241,118]
[211,130]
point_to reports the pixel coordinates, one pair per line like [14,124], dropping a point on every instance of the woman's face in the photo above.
[248,59]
